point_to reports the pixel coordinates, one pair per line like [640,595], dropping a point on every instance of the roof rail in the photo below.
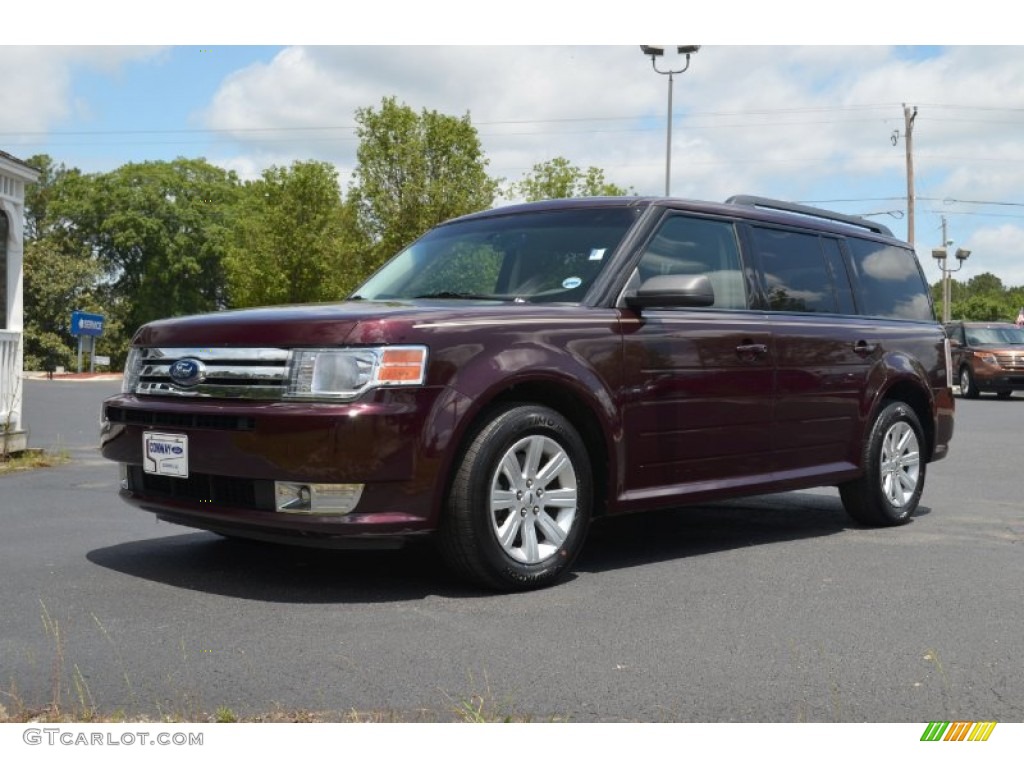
[806,210]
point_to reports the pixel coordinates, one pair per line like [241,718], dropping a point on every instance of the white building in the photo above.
[14,175]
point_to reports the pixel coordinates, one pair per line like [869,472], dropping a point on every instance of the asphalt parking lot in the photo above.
[766,609]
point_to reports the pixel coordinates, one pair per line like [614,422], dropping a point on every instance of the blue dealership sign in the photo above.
[84,324]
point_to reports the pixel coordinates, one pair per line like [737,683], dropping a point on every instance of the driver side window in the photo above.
[686,245]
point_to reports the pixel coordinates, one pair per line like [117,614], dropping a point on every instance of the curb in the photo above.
[42,376]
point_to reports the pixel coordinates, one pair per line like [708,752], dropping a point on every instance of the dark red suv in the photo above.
[517,372]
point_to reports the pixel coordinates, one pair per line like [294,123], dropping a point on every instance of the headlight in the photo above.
[343,374]
[131,370]
[987,357]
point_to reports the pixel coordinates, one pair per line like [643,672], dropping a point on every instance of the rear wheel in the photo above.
[968,387]
[520,502]
[894,470]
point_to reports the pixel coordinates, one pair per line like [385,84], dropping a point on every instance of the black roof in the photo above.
[15,160]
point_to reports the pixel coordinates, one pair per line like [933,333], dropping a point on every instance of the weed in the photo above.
[33,458]
[120,659]
[52,629]
[483,707]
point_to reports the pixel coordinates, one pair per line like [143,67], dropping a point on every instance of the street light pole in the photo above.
[941,255]
[654,52]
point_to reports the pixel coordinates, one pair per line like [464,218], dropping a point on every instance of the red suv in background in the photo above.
[987,357]
[515,373]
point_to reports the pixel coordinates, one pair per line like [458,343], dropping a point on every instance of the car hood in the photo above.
[311,325]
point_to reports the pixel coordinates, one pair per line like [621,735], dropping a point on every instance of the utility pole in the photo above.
[908,133]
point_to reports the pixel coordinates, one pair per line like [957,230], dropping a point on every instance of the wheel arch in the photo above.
[568,401]
[911,393]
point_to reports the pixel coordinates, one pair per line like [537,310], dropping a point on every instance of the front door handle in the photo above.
[864,349]
[750,351]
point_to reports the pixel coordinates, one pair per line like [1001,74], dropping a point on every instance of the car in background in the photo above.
[987,357]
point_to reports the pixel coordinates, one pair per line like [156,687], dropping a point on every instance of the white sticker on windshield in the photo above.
[596,254]
[572,282]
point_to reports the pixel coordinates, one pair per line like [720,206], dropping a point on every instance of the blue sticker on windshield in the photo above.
[572,282]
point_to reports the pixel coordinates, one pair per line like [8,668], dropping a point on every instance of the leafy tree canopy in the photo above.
[414,171]
[558,178]
[294,239]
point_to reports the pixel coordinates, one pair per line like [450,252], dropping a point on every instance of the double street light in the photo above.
[655,51]
[941,256]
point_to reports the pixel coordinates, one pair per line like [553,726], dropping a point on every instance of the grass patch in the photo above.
[33,458]
[471,712]
[68,698]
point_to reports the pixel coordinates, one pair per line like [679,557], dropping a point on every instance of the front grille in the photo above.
[1011,362]
[216,490]
[147,418]
[253,373]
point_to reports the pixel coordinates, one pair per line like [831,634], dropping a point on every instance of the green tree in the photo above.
[293,240]
[57,281]
[38,222]
[984,297]
[985,284]
[990,308]
[414,171]
[158,230]
[558,178]
[61,274]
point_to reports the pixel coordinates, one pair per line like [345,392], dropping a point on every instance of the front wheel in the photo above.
[520,502]
[894,470]
[968,386]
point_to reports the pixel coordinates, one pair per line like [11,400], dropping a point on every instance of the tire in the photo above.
[520,502]
[968,386]
[894,470]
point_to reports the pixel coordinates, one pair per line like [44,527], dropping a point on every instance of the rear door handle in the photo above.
[864,349]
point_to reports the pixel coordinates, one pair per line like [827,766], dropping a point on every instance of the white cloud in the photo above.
[997,249]
[37,83]
[800,123]
[755,113]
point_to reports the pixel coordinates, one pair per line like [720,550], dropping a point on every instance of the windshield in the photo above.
[977,337]
[545,256]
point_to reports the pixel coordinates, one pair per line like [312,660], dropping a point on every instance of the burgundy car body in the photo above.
[675,404]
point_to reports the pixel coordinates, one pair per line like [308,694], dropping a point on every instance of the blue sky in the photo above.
[809,123]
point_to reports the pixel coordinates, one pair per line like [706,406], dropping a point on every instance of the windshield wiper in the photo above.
[455,295]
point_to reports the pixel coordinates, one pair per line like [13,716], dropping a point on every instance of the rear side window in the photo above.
[801,272]
[889,279]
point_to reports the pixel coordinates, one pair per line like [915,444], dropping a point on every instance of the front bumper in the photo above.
[993,379]
[393,444]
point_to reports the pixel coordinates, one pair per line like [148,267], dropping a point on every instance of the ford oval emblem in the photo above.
[187,372]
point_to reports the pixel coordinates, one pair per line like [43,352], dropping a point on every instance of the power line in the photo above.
[493,123]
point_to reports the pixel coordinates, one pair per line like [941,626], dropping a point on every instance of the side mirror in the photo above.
[672,291]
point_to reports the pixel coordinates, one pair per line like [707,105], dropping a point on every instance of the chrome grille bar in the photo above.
[229,372]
